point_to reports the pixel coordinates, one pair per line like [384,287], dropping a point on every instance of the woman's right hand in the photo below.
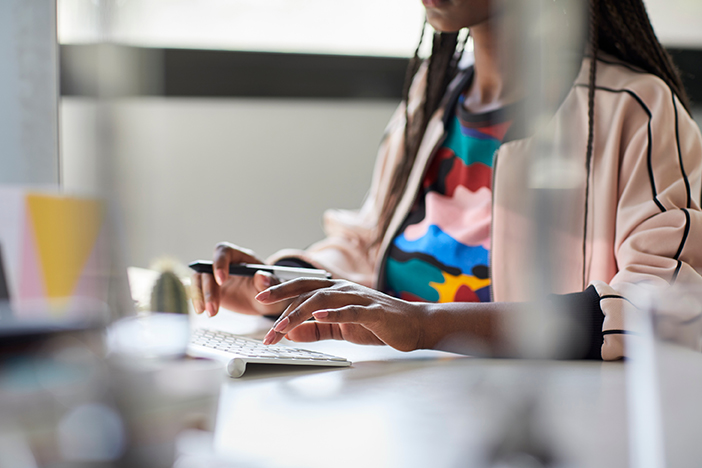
[232,292]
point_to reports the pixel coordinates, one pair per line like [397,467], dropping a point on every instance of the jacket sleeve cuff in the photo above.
[584,309]
[294,262]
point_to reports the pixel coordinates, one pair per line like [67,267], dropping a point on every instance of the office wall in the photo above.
[258,172]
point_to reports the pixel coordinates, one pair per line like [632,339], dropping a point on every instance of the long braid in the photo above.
[412,68]
[441,68]
[622,28]
[594,29]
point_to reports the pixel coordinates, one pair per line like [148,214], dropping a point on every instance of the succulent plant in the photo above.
[168,294]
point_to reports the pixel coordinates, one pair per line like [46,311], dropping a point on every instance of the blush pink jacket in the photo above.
[642,226]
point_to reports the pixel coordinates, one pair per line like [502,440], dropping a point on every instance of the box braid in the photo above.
[618,27]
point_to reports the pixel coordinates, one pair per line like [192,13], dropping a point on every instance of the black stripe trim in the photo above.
[650,137]
[617,332]
[612,296]
[680,158]
[692,320]
[622,64]
[675,273]
[685,234]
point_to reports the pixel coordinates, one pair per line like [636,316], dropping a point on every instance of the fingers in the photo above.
[226,253]
[313,331]
[210,291]
[304,306]
[291,289]
[196,291]
[348,314]
[263,280]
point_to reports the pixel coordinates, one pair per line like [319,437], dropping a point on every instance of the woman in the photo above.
[411,265]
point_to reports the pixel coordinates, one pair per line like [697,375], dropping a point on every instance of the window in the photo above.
[354,27]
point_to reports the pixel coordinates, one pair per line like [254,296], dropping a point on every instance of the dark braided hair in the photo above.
[624,30]
[618,27]
[441,69]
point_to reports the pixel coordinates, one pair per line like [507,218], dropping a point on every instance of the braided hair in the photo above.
[442,67]
[618,27]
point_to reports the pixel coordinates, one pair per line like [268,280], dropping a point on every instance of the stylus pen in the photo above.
[246,269]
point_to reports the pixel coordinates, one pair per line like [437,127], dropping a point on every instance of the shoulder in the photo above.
[632,99]
[619,83]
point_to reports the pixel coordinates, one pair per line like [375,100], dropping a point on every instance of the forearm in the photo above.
[569,326]
[470,328]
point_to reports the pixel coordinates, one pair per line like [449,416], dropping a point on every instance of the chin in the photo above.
[453,21]
[446,25]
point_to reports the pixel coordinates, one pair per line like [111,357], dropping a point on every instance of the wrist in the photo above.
[426,315]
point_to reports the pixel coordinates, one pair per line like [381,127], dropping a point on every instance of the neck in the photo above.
[492,86]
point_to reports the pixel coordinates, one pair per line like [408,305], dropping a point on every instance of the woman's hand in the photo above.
[344,311]
[232,292]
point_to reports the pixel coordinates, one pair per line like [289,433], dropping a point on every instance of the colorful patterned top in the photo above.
[441,251]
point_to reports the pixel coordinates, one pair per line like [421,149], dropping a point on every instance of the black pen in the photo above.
[247,269]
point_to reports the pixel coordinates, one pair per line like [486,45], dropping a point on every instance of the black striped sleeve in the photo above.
[584,308]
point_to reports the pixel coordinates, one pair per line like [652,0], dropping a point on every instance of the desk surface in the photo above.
[434,409]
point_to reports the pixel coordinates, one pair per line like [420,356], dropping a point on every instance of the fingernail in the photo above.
[268,339]
[263,295]
[219,277]
[266,281]
[321,314]
[281,325]
[210,309]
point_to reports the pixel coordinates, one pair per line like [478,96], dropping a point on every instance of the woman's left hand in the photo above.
[344,311]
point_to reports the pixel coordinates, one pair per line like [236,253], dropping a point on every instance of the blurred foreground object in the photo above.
[63,403]
[149,336]
[658,326]
[55,254]
[29,93]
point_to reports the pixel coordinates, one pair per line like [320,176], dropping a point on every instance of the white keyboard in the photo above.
[239,351]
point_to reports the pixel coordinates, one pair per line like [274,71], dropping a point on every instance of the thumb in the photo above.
[263,280]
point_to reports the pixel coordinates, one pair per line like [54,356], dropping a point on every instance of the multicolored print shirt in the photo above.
[441,251]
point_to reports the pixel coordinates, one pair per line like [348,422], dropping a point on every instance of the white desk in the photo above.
[426,409]
[422,409]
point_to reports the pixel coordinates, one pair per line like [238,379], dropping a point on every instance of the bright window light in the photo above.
[357,27]
[678,23]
